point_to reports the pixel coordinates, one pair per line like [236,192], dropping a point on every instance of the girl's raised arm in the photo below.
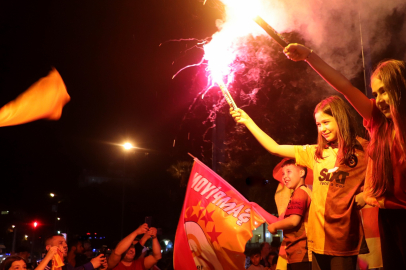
[267,142]
[359,101]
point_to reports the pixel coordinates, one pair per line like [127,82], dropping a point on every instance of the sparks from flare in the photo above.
[220,53]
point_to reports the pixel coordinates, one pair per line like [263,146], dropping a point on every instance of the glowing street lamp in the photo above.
[128,146]
[52,195]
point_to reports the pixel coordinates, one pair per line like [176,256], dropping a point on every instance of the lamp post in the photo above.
[13,247]
[55,203]
[127,146]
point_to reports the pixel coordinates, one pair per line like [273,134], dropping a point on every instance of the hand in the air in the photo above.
[240,116]
[142,229]
[98,261]
[296,52]
[152,232]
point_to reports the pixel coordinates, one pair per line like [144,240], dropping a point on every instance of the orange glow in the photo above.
[128,146]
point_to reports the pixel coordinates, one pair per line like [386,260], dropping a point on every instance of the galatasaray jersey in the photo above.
[335,226]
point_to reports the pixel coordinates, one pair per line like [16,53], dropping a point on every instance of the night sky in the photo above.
[121,87]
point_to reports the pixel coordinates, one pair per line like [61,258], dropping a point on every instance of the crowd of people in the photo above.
[129,254]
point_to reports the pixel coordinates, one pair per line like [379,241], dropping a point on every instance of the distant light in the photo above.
[13,226]
[52,194]
[25,236]
[94,250]
[95,233]
[268,234]
[90,238]
[58,218]
[166,242]
[127,146]
[88,233]
[59,232]
[35,224]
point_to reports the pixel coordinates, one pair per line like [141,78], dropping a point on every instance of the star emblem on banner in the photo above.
[207,217]
[193,213]
[214,235]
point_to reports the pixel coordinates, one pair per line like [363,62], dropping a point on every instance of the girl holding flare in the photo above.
[385,119]
[335,233]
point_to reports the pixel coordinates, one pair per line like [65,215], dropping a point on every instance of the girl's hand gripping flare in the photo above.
[240,116]
[297,52]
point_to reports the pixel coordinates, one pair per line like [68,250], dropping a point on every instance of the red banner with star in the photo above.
[215,224]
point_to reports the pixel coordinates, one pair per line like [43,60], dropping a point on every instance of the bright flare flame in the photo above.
[127,146]
[221,52]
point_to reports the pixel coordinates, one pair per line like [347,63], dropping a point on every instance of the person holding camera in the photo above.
[126,256]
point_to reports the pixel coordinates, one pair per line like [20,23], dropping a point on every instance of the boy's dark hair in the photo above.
[255,251]
[293,162]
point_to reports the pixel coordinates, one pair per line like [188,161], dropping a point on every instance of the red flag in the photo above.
[215,224]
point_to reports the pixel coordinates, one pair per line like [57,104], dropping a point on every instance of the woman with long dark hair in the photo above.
[385,120]
[335,233]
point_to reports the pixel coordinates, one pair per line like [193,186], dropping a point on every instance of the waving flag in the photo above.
[43,100]
[215,224]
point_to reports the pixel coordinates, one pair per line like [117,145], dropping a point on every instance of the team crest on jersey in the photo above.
[353,161]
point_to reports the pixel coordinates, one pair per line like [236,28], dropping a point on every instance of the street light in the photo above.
[52,195]
[128,146]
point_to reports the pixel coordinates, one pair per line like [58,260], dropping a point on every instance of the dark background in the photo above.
[120,82]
